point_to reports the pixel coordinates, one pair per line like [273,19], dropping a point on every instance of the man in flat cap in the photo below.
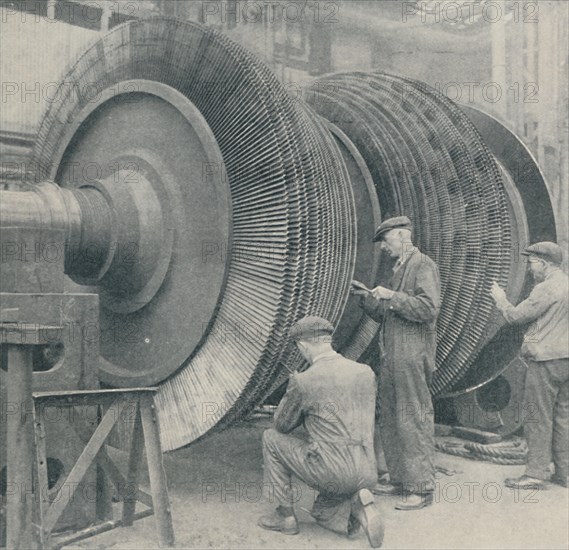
[546,352]
[408,312]
[335,401]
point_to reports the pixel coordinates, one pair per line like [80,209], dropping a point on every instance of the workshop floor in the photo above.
[473,509]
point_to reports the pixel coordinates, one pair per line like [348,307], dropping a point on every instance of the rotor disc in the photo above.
[290,218]
[532,220]
[428,162]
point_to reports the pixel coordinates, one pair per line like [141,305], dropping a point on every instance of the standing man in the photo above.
[335,400]
[546,351]
[408,311]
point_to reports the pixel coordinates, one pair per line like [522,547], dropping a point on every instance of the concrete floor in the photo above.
[473,509]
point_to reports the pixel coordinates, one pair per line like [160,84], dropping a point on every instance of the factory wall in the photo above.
[508,58]
[29,82]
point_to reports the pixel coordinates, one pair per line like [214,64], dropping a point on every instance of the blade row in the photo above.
[293,215]
[429,163]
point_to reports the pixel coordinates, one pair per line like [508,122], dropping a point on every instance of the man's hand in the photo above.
[359,289]
[498,295]
[382,293]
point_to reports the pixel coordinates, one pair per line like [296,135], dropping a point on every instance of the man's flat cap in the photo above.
[547,250]
[311,328]
[392,223]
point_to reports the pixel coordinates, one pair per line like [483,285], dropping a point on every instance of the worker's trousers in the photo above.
[335,471]
[546,417]
[407,427]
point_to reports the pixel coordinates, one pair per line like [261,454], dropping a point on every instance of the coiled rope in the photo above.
[510,452]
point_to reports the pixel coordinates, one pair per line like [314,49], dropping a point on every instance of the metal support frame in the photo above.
[19,449]
[145,436]
[19,473]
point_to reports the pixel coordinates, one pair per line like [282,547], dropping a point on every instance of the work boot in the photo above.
[525,482]
[282,520]
[366,513]
[414,501]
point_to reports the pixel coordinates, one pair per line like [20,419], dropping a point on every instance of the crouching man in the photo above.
[335,400]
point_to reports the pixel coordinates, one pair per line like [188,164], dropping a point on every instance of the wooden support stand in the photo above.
[19,339]
[146,436]
[19,449]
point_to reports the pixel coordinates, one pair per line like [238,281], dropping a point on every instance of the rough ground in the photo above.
[473,509]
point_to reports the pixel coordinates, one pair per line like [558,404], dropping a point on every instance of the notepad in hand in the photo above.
[356,285]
